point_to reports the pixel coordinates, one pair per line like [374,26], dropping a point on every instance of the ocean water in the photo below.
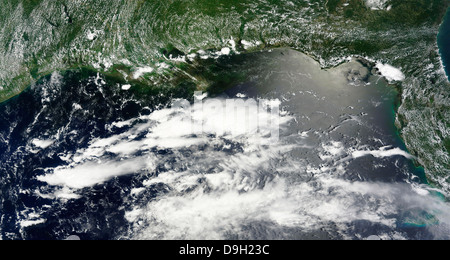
[444,43]
[81,156]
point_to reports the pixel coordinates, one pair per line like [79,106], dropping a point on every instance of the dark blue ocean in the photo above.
[444,43]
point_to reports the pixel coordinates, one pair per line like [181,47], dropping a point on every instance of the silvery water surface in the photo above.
[91,154]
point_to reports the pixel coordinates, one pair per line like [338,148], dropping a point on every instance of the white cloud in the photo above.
[167,128]
[90,35]
[213,191]
[28,223]
[141,71]
[383,152]
[390,73]
[126,87]
[377,4]
[91,173]
[225,51]
[219,206]
[42,143]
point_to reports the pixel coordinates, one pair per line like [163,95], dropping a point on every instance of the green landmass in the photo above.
[38,37]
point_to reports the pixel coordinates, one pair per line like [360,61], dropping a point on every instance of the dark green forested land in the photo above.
[116,38]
